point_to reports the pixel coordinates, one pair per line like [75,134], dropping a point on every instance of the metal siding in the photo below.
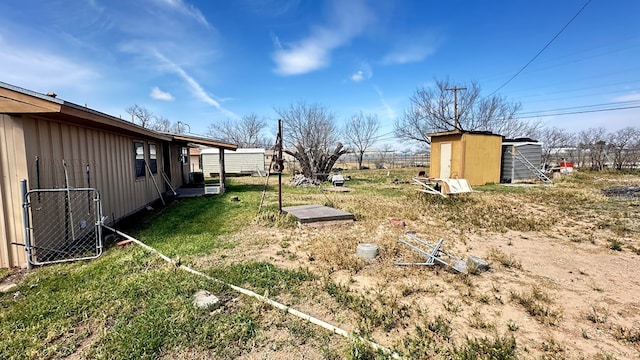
[176,166]
[176,179]
[13,168]
[210,164]
[110,155]
[234,163]
[505,173]
[176,176]
[531,152]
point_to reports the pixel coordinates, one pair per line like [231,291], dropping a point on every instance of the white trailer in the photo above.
[241,161]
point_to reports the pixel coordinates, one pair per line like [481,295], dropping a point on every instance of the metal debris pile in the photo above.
[301,180]
[434,254]
[628,192]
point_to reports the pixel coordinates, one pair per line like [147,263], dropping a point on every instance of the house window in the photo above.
[153,159]
[138,156]
[184,157]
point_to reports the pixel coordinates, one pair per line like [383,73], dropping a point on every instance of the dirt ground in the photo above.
[596,290]
[587,293]
[570,291]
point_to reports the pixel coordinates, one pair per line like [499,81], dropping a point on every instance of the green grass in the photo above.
[262,277]
[4,273]
[130,304]
[193,226]
[126,304]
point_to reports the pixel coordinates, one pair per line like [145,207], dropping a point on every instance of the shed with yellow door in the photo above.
[471,155]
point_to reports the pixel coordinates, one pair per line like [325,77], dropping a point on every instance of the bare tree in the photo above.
[141,115]
[144,117]
[593,145]
[554,141]
[311,136]
[246,132]
[434,110]
[162,124]
[360,131]
[621,144]
[384,153]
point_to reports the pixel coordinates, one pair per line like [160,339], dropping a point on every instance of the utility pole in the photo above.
[455,103]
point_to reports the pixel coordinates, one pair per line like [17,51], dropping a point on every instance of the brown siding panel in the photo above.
[110,156]
[13,169]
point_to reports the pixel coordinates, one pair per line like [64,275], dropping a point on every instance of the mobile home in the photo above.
[240,161]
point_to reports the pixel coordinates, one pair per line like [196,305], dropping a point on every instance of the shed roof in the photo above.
[518,143]
[239,151]
[460,132]
[17,101]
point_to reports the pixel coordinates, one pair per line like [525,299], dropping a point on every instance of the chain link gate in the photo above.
[62,224]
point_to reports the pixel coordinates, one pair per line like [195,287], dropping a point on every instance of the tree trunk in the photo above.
[360,156]
[316,169]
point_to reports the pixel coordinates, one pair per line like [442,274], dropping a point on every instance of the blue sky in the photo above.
[203,61]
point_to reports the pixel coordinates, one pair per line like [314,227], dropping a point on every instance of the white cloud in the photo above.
[276,41]
[364,73]
[158,94]
[270,8]
[412,49]
[348,19]
[413,53]
[628,97]
[41,70]
[194,86]
[186,9]
[388,110]
[357,76]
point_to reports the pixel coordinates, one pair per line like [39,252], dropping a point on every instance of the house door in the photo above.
[445,160]
[166,159]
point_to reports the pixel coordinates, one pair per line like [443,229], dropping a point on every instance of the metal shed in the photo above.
[241,161]
[470,155]
[521,160]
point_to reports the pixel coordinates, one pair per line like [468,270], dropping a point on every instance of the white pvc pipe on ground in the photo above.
[262,298]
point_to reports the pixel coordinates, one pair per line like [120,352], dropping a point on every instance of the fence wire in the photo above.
[64,225]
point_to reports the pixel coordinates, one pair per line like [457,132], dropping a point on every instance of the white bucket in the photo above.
[367,251]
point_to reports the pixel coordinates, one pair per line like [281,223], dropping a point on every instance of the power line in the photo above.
[579,112]
[582,107]
[543,49]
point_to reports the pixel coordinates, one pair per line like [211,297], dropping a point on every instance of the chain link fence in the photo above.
[62,225]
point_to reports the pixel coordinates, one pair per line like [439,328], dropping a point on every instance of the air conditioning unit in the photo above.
[211,190]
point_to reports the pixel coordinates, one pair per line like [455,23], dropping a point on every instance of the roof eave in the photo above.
[203,141]
[86,113]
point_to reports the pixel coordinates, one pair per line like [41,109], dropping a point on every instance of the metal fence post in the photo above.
[27,227]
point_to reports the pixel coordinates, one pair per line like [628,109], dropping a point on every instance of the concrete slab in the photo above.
[187,192]
[317,213]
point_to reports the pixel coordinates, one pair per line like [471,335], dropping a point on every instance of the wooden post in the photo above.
[455,104]
[280,161]
[222,170]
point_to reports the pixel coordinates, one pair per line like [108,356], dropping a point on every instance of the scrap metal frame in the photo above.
[432,186]
[435,254]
